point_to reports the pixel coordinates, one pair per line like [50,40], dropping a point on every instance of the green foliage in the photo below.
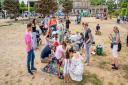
[104,65]
[46,6]
[12,7]
[88,78]
[123,12]
[0,5]
[110,83]
[60,2]
[23,7]
[97,2]
[121,84]
[22,4]
[124,4]
[117,13]
[67,6]
[111,6]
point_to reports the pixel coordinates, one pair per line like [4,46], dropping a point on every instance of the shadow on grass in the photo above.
[88,79]
[125,69]
[9,24]
[104,65]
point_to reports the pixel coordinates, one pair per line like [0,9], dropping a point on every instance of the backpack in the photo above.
[86,36]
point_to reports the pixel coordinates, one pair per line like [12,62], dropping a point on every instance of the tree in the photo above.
[67,6]
[98,2]
[111,6]
[123,4]
[23,7]
[0,5]
[12,7]
[46,6]
[60,2]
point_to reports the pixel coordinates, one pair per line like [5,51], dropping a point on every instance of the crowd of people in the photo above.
[62,49]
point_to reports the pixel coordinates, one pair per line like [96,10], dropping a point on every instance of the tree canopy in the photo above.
[12,7]
[46,6]
[98,2]
[67,6]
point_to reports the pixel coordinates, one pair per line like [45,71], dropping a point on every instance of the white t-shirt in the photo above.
[59,51]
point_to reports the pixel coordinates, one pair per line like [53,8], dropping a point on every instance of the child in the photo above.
[60,55]
[98,29]
[66,64]
[76,66]
[29,49]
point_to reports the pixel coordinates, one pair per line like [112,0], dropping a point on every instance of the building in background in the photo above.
[80,5]
[85,6]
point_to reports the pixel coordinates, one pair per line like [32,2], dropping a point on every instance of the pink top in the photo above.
[59,52]
[28,41]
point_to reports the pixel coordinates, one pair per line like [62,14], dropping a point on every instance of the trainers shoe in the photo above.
[116,68]
[34,69]
[30,72]
[113,65]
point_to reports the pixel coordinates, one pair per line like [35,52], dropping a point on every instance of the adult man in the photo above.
[87,42]
[46,53]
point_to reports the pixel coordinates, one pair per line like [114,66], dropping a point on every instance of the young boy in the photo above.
[98,30]
[29,49]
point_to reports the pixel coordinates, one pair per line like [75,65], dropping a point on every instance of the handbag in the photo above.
[111,45]
[119,46]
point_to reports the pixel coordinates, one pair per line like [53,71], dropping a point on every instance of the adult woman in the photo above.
[115,38]
[34,38]
[87,41]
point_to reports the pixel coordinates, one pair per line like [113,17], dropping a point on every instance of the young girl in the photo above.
[66,64]
[115,38]
[77,66]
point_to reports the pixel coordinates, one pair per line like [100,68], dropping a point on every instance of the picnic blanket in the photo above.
[51,68]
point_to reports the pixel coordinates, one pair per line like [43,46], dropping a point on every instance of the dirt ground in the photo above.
[13,57]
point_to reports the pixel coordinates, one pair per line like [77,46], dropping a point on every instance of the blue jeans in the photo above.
[54,28]
[87,52]
[30,60]
[34,40]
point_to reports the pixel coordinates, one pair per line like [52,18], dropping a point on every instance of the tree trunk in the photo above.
[15,17]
